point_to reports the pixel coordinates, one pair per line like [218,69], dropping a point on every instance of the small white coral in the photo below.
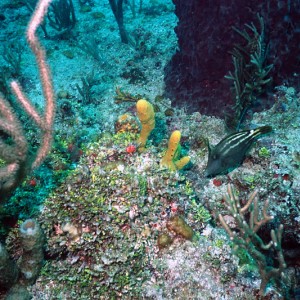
[72,230]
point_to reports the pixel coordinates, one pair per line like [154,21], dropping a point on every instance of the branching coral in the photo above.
[85,90]
[14,148]
[19,162]
[61,16]
[251,73]
[117,9]
[248,237]
[122,96]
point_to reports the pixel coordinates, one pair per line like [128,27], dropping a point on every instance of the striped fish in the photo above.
[231,151]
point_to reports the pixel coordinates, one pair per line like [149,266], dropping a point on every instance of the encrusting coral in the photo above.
[126,123]
[146,115]
[180,227]
[171,158]
[164,240]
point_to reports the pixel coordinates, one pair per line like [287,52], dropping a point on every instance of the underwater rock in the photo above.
[195,74]
[164,240]
[18,292]
[8,269]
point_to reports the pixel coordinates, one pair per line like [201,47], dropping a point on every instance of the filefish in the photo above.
[230,152]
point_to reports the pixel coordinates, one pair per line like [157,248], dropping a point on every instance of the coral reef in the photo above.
[105,221]
[118,224]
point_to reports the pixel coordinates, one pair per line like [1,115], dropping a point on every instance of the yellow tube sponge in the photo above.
[171,159]
[146,115]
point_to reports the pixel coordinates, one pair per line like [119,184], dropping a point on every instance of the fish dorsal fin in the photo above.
[209,147]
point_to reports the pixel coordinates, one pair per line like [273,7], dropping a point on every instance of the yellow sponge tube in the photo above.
[171,158]
[146,115]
